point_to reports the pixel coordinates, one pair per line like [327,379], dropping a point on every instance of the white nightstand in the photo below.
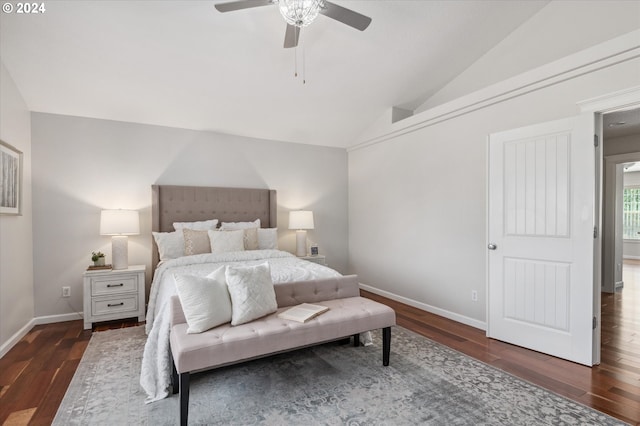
[320,259]
[114,294]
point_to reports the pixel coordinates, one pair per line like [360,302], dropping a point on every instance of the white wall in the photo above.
[84,165]
[16,250]
[559,29]
[616,151]
[622,145]
[417,208]
[633,178]
[631,249]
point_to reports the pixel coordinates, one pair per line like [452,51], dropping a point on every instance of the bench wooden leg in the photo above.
[356,340]
[184,398]
[386,345]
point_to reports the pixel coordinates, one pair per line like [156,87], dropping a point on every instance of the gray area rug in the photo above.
[426,384]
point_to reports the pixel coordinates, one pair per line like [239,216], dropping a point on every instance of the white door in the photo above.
[541,237]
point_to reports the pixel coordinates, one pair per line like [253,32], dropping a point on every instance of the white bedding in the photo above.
[155,376]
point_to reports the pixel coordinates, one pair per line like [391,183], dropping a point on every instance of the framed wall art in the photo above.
[10,180]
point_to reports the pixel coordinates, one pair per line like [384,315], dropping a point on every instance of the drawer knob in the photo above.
[115,285]
[111,305]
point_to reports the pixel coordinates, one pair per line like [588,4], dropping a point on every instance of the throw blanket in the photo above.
[155,376]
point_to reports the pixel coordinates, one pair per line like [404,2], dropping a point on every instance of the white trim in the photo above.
[50,319]
[616,101]
[611,52]
[423,306]
[486,238]
[13,340]
[631,257]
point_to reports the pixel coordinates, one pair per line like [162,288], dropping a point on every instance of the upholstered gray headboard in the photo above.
[172,203]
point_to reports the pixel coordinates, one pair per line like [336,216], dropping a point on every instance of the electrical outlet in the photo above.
[66,291]
[474,295]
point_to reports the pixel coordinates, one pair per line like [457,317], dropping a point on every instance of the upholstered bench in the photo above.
[348,315]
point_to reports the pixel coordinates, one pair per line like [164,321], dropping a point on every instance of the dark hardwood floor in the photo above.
[34,375]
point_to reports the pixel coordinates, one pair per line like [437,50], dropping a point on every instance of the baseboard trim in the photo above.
[50,319]
[631,257]
[13,340]
[47,319]
[425,307]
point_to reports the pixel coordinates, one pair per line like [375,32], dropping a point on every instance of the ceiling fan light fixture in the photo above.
[300,12]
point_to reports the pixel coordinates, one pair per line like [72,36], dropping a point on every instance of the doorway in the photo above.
[620,262]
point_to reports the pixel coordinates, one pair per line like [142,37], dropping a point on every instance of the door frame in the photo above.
[610,246]
[610,102]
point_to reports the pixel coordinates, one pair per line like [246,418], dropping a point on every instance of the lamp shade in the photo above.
[301,219]
[119,222]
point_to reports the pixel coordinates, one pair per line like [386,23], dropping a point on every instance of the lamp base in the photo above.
[301,243]
[120,252]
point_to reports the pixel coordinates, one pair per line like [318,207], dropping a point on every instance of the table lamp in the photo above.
[301,220]
[119,224]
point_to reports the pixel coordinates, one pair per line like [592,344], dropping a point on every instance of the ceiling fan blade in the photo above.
[241,4]
[291,36]
[346,16]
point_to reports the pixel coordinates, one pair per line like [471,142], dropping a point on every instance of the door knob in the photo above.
[492,246]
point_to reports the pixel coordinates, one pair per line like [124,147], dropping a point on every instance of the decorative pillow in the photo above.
[203,225]
[170,244]
[251,291]
[224,241]
[205,300]
[250,238]
[232,226]
[268,238]
[196,242]
[250,232]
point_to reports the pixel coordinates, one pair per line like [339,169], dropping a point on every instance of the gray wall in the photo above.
[16,250]
[84,165]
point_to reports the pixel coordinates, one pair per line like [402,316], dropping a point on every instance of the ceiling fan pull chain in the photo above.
[295,61]
[304,66]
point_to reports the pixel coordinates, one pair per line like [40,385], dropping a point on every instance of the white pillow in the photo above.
[205,300]
[268,238]
[232,226]
[251,291]
[203,225]
[170,244]
[224,241]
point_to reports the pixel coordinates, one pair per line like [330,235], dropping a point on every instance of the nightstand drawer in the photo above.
[104,286]
[115,305]
[114,294]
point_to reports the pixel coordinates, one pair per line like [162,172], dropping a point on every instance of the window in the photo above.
[631,213]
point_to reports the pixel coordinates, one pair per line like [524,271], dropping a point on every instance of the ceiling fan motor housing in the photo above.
[300,12]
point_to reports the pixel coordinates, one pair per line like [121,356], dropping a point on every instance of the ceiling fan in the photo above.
[300,13]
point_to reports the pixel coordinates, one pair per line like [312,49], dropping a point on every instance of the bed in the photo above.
[191,205]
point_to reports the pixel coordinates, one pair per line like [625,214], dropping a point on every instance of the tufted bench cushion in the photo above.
[349,314]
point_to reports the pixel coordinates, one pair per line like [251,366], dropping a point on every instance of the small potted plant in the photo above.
[98,258]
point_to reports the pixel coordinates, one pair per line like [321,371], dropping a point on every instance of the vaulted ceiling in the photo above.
[184,64]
